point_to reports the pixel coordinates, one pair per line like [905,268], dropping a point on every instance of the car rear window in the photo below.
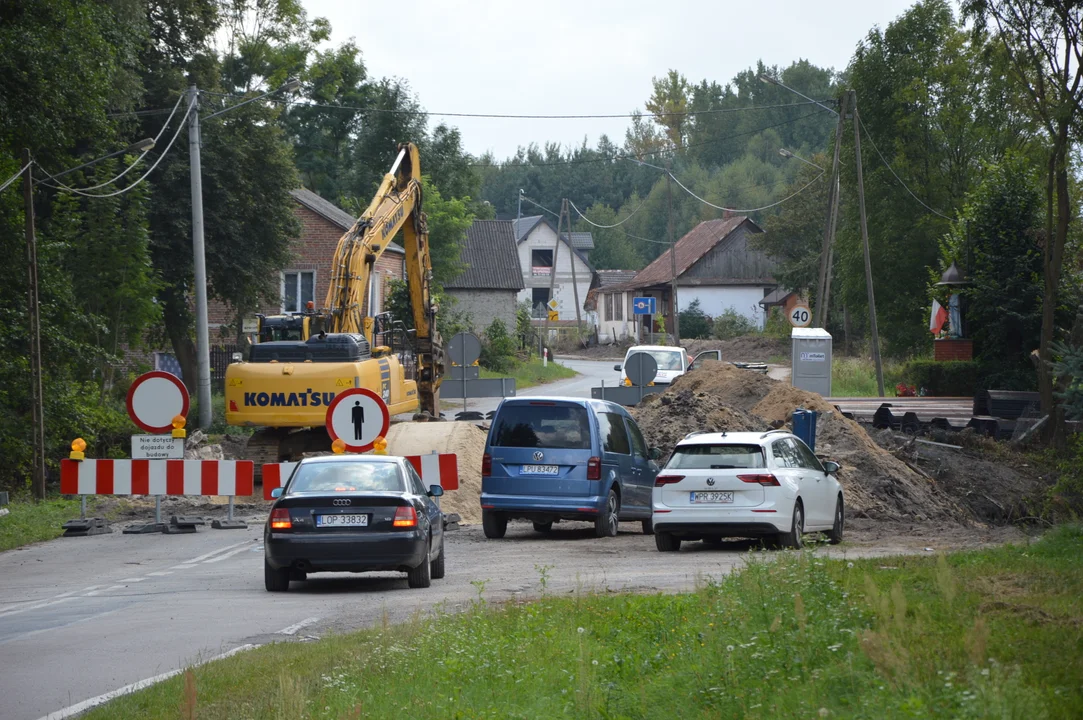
[347,477]
[716,457]
[542,426]
[665,359]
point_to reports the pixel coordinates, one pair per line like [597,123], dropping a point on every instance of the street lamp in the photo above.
[203,342]
[787,154]
[775,81]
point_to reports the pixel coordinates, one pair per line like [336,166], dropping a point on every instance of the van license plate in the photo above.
[539,470]
[712,497]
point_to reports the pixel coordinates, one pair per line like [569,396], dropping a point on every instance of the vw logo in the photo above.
[340,501]
[710,481]
[538,456]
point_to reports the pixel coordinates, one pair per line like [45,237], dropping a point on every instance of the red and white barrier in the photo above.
[436,469]
[156,477]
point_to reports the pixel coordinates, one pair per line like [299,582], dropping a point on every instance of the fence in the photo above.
[221,357]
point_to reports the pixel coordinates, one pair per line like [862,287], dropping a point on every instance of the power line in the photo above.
[143,177]
[888,166]
[605,227]
[750,210]
[15,177]
[541,206]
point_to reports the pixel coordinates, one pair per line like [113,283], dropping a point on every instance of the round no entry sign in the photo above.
[357,417]
[154,399]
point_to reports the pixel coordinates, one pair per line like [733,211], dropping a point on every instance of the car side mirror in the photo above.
[617,368]
[831,467]
[435,491]
[654,453]
[276,493]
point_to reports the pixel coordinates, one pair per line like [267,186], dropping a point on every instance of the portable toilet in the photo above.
[811,360]
[804,426]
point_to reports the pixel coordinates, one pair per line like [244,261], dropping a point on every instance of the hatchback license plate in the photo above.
[539,470]
[348,520]
[713,497]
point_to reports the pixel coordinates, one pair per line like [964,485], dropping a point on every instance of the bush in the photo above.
[695,324]
[497,348]
[942,379]
[729,324]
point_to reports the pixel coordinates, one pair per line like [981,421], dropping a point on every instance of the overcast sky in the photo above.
[583,56]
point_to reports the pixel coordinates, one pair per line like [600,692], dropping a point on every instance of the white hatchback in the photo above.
[745,484]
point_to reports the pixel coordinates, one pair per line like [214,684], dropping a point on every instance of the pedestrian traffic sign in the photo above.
[643,306]
[154,399]
[357,417]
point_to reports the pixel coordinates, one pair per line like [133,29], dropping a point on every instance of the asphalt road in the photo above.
[592,373]
[82,617]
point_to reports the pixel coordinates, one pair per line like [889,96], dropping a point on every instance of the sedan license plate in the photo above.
[713,497]
[347,520]
[539,470]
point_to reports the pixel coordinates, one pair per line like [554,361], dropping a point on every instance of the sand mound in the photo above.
[465,440]
[718,397]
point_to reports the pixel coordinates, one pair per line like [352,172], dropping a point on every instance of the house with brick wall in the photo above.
[309,273]
[487,288]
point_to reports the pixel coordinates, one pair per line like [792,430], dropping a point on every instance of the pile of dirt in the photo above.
[719,397]
[465,440]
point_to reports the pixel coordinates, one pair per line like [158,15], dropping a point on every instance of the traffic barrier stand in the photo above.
[157,478]
[84,526]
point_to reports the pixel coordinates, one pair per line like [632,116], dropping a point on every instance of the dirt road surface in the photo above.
[81,617]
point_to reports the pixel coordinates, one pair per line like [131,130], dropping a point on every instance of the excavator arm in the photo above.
[396,206]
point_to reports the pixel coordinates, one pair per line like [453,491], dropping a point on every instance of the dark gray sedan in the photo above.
[354,513]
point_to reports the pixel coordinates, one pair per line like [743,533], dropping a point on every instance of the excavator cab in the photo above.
[291,326]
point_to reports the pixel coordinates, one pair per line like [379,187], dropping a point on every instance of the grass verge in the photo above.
[993,633]
[30,521]
[856,377]
[531,373]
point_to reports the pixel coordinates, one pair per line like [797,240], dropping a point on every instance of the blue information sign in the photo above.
[643,306]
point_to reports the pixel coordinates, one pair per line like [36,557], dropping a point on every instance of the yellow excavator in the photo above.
[302,361]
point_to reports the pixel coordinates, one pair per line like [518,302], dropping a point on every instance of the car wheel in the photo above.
[275,579]
[794,539]
[437,568]
[648,526]
[420,577]
[835,535]
[667,542]
[605,525]
[543,527]
[494,524]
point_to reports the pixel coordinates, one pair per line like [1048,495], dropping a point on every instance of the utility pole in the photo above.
[203,350]
[865,243]
[571,248]
[553,272]
[37,477]
[518,214]
[827,254]
[672,258]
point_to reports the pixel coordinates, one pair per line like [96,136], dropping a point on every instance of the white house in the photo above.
[537,242]
[717,266]
[611,306]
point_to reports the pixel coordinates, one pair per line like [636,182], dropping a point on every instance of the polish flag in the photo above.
[938,317]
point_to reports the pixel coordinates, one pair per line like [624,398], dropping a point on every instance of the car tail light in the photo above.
[486,465]
[667,480]
[767,479]
[405,517]
[594,468]
[280,519]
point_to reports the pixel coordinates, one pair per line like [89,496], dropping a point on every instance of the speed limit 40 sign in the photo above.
[800,316]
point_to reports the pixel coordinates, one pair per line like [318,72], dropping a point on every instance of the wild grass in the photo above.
[529,373]
[30,521]
[856,376]
[994,633]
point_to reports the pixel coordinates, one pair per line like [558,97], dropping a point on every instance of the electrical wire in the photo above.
[14,177]
[539,205]
[888,166]
[606,227]
[749,210]
[59,185]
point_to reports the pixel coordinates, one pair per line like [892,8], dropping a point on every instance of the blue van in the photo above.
[549,459]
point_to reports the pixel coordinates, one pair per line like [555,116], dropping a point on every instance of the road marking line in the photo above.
[212,553]
[108,589]
[230,554]
[160,573]
[292,629]
[140,579]
[85,705]
[37,606]
[182,566]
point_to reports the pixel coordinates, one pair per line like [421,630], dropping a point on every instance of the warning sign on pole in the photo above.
[154,399]
[357,417]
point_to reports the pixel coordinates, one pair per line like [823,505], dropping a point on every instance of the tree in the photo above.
[669,106]
[695,324]
[1044,42]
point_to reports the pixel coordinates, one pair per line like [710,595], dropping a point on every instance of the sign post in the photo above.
[645,306]
[357,417]
[154,399]
[800,316]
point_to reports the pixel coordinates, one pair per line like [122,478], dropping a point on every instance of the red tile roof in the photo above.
[699,241]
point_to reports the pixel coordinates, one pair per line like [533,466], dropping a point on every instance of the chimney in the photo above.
[727,214]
